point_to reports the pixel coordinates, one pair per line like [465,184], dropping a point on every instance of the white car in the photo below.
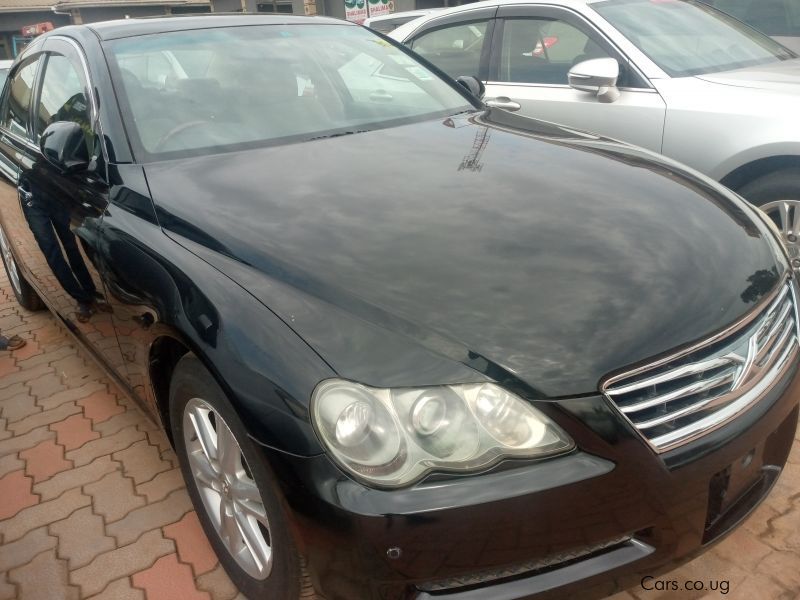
[390,22]
[672,76]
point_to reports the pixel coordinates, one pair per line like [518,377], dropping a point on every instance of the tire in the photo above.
[778,195]
[194,397]
[23,291]
[778,185]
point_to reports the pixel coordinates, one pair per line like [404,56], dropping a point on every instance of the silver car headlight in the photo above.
[393,437]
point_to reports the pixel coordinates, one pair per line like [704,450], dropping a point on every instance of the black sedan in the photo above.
[404,346]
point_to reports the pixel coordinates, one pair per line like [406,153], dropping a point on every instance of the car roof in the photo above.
[406,13]
[109,30]
[407,28]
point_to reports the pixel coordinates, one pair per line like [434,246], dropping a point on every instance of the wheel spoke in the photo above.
[228,451]
[204,472]
[205,435]
[229,530]
[245,489]
[253,538]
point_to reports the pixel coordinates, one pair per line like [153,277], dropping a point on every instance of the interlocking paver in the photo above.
[52,400]
[42,514]
[44,460]
[43,358]
[66,480]
[119,422]
[192,543]
[104,445]
[21,442]
[46,385]
[150,516]
[141,461]
[10,462]
[8,591]
[16,554]
[121,589]
[161,485]
[81,537]
[73,432]
[25,376]
[15,490]
[113,496]
[44,578]
[44,418]
[18,407]
[168,579]
[100,406]
[107,567]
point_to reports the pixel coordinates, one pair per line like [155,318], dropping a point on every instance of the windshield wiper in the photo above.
[339,134]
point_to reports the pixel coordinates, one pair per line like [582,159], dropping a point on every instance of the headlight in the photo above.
[393,437]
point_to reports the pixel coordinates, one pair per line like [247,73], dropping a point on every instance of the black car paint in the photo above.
[274,305]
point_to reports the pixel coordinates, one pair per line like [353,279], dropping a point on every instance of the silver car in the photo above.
[677,77]
[779,19]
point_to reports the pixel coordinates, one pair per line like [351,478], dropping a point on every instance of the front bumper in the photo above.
[586,524]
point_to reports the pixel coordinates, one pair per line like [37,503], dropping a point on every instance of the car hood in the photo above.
[779,77]
[512,249]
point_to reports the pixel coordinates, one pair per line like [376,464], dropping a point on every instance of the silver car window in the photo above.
[686,37]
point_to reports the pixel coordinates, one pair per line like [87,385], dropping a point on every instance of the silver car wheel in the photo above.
[13,273]
[225,483]
[786,215]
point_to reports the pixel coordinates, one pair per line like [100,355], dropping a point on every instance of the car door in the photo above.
[533,49]
[17,151]
[64,211]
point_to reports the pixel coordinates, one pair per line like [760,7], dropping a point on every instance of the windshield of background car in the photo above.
[687,38]
[210,90]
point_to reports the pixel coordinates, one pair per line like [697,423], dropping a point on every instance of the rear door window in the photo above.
[15,114]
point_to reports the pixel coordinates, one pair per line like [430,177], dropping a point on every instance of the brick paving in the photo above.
[92,503]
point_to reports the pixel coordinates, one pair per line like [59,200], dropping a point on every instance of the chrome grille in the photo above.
[683,397]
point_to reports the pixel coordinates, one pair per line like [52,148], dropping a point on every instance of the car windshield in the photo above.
[210,90]
[686,37]
[3,75]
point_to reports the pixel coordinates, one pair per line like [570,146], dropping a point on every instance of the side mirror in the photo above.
[473,85]
[598,76]
[63,145]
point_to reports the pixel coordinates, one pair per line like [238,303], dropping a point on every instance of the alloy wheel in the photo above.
[11,264]
[786,215]
[226,485]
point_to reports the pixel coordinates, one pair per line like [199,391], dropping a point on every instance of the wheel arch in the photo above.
[758,168]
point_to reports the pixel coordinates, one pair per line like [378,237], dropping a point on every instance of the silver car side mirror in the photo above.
[598,76]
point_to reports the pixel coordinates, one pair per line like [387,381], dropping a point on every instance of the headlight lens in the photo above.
[393,437]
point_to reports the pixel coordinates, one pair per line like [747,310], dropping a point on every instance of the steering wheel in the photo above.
[177,130]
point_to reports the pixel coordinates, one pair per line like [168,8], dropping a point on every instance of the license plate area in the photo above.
[731,484]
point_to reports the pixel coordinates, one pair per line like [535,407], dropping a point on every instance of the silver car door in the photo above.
[534,47]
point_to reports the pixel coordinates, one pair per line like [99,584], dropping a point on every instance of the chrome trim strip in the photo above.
[676,373]
[695,388]
[742,323]
[711,422]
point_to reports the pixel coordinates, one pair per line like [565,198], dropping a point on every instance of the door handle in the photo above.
[503,102]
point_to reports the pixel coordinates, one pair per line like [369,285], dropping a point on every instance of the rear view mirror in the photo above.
[473,85]
[598,76]
[63,145]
